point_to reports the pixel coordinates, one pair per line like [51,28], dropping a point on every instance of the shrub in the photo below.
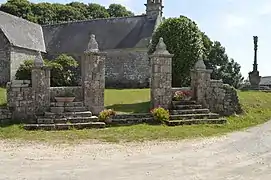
[183,39]
[63,70]
[106,114]
[24,71]
[160,114]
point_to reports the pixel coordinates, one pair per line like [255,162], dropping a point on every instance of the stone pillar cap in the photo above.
[161,48]
[38,62]
[92,45]
[200,64]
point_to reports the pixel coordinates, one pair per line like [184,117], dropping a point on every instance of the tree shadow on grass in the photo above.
[142,107]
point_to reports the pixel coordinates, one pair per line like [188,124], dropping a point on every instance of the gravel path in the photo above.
[241,156]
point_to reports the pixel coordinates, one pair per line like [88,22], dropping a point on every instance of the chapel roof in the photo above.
[22,33]
[111,33]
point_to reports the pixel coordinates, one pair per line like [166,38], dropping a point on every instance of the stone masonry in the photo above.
[200,80]
[93,77]
[41,86]
[20,98]
[213,94]
[161,76]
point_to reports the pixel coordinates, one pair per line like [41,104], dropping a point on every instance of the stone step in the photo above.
[75,109]
[62,104]
[189,111]
[183,102]
[191,106]
[131,121]
[43,120]
[195,121]
[68,126]
[136,115]
[68,114]
[194,116]
[60,110]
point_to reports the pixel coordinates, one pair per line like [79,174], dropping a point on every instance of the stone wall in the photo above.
[213,94]
[127,69]
[20,99]
[124,68]
[5,115]
[222,98]
[17,57]
[4,59]
[77,91]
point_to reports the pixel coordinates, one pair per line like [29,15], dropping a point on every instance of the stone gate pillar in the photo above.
[40,86]
[200,82]
[93,77]
[161,76]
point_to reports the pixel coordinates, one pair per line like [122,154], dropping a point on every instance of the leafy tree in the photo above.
[44,13]
[20,8]
[215,58]
[183,39]
[95,11]
[63,70]
[117,10]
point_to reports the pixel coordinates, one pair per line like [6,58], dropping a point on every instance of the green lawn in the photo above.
[128,100]
[3,97]
[257,106]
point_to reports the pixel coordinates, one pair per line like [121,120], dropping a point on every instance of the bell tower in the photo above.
[154,8]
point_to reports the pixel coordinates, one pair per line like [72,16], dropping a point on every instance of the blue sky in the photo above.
[232,22]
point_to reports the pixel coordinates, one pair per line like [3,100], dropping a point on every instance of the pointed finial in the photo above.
[38,60]
[92,44]
[200,63]
[161,47]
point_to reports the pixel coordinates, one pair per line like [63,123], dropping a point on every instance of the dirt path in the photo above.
[242,155]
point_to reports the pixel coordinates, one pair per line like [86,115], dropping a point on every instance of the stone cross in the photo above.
[38,60]
[255,65]
[92,44]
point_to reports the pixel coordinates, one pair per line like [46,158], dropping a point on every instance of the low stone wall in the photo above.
[222,98]
[5,115]
[21,101]
[58,91]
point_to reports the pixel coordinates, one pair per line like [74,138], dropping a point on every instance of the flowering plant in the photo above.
[180,95]
[160,114]
[106,114]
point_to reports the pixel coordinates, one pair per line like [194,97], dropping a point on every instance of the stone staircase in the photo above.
[189,112]
[65,116]
[182,113]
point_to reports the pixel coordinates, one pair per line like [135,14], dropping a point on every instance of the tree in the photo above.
[95,11]
[183,39]
[63,70]
[20,8]
[45,13]
[117,10]
[215,58]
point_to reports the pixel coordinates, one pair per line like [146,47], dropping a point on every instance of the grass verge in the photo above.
[255,104]
[3,97]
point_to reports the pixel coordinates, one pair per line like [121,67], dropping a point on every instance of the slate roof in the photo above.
[22,33]
[265,81]
[111,33]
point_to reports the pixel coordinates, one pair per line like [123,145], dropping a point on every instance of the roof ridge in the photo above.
[98,19]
